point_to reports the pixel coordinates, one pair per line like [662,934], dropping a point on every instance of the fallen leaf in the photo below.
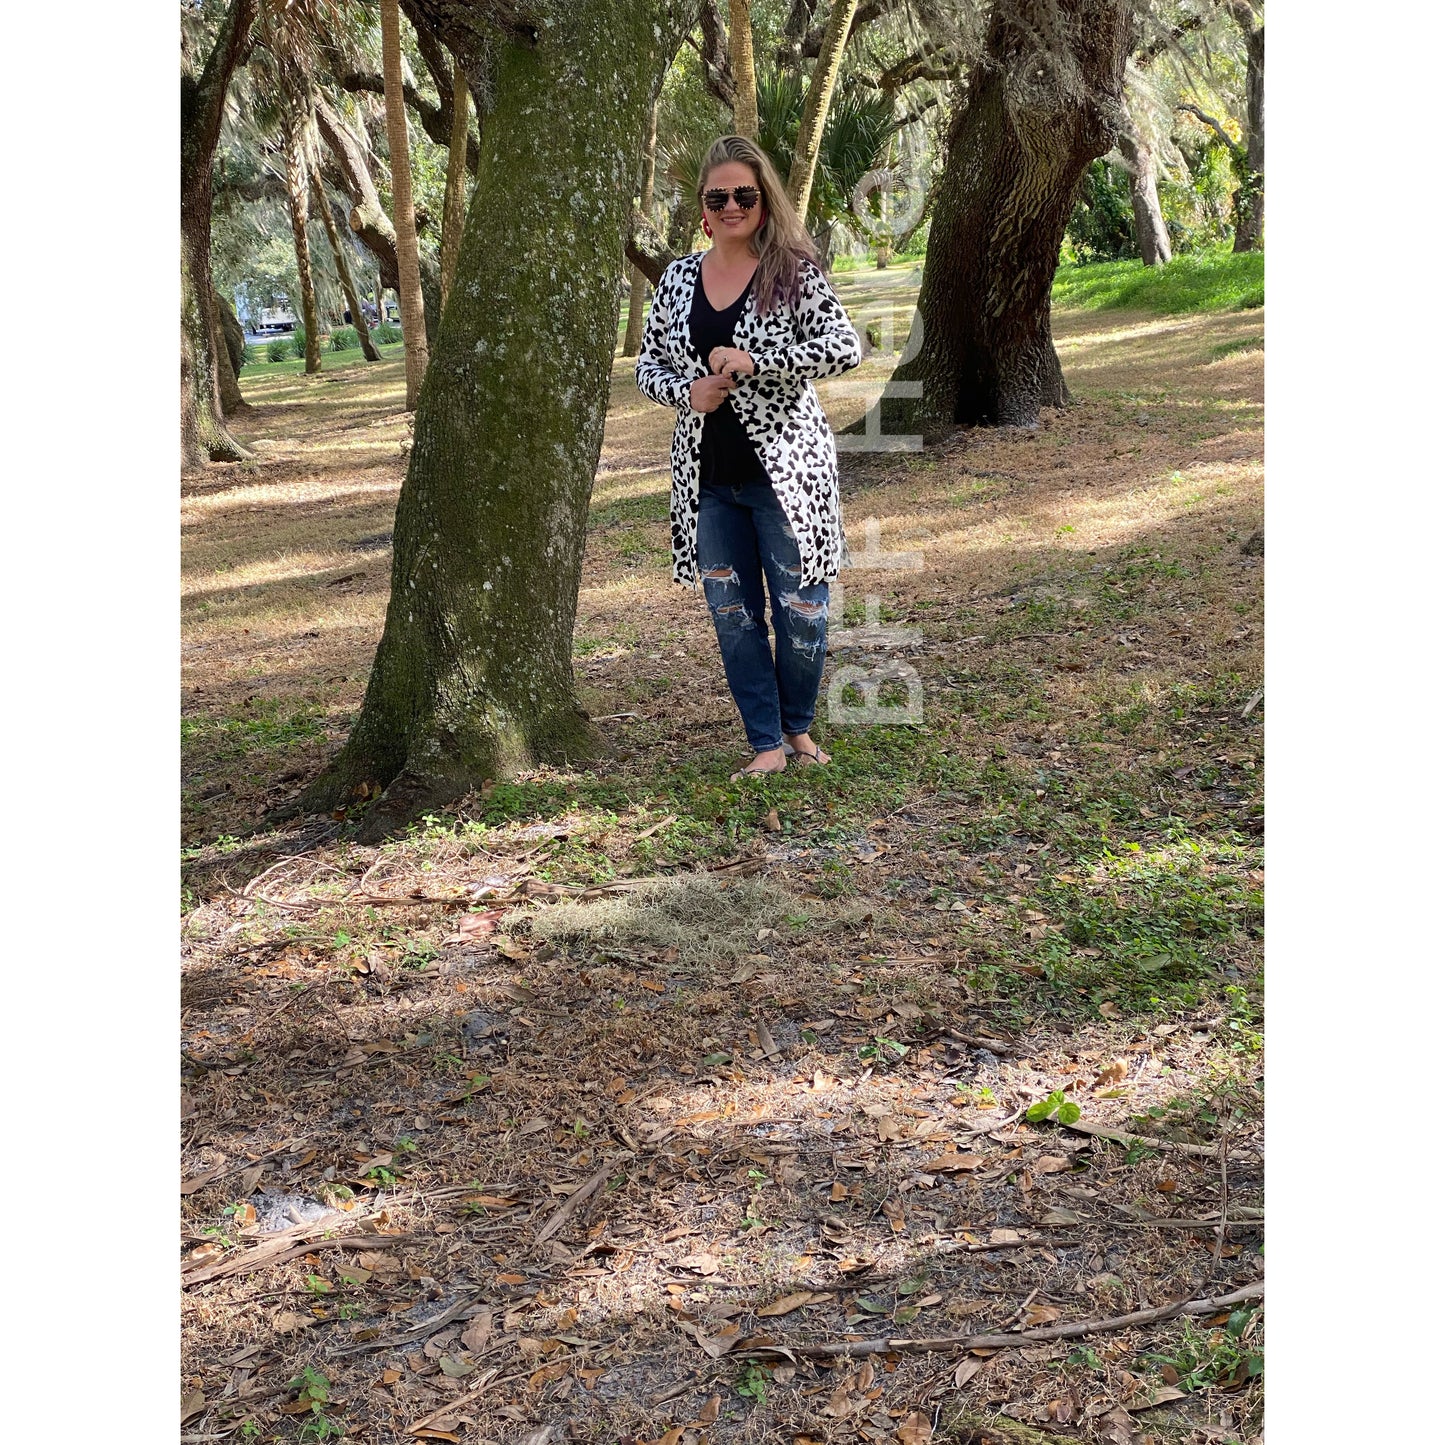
[249,1180]
[765,1040]
[1041,1315]
[952,1163]
[716,1346]
[1150,1398]
[1114,1072]
[710,1411]
[790,1302]
[772,823]
[916,1429]
[478,1332]
[1060,1216]
[390,1377]
[1051,1164]
[432,1432]
[1003,1236]
[968,1367]
[192,1405]
[288,1322]
[199,1181]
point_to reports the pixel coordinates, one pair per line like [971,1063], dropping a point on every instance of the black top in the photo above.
[727,453]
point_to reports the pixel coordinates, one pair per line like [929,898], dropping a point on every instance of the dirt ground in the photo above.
[618,1104]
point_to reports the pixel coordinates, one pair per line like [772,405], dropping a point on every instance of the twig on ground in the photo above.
[1133,1141]
[578,1196]
[417,1332]
[848,1348]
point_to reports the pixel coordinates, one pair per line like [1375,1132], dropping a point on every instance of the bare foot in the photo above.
[806,753]
[774,760]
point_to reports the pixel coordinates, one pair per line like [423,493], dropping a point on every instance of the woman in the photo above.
[734,338]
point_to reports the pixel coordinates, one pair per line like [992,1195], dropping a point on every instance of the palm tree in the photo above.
[413,316]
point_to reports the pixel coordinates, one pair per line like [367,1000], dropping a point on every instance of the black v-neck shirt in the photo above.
[727,453]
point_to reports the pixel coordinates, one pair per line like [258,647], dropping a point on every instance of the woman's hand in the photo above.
[730,360]
[709,392]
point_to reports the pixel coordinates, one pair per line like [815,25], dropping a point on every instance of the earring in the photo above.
[706,229]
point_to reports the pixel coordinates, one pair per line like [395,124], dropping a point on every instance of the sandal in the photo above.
[800,757]
[751,772]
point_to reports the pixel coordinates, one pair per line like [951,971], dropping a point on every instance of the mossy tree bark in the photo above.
[343,268]
[454,207]
[203,430]
[473,676]
[1150,230]
[1044,99]
[230,355]
[413,312]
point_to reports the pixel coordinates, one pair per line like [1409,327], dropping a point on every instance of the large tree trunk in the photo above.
[230,355]
[637,293]
[454,208]
[203,431]
[1150,230]
[413,308]
[1040,107]
[297,186]
[745,80]
[473,677]
[343,268]
[815,105]
[1249,198]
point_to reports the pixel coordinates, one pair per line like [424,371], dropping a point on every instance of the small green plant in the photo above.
[344,338]
[878,1051]
[250,1430]
[317,1285]
[314,1389]
[250,354]
[752,1383]
[1066,1110]
[386,334]
[278,349]
[1204,1358]
[349,1312]
[298,341]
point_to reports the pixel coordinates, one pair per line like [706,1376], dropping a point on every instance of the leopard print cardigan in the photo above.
[779,408]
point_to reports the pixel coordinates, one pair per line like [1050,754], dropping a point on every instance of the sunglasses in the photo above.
[717,199]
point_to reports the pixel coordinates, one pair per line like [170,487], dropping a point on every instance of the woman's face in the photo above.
[732,221]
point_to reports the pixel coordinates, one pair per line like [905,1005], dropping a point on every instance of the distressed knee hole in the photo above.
[719,574]
[735,612]
[810,611]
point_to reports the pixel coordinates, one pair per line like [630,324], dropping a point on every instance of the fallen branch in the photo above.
[578,1196]
[848,1348]
[292,1245]
[1133,1141]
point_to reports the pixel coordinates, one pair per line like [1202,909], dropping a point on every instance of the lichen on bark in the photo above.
[473,677]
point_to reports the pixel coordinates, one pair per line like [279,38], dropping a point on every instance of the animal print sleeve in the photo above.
[828,344]
[656,380]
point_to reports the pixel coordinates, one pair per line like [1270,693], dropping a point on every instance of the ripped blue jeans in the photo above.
[742,537]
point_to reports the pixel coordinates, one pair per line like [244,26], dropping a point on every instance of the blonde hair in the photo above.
[782,241]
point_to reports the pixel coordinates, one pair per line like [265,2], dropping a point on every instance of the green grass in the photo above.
[295,365]
[1201,281]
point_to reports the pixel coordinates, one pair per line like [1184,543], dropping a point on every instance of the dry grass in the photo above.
[724,1042]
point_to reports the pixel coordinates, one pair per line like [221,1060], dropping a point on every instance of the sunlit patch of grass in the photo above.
[261,727]
[1215,280]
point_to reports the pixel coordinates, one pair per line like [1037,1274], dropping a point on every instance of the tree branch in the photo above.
[864,15]
[716,54]
[1214,125]
[203,97]
[848,1348]
[436,120]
